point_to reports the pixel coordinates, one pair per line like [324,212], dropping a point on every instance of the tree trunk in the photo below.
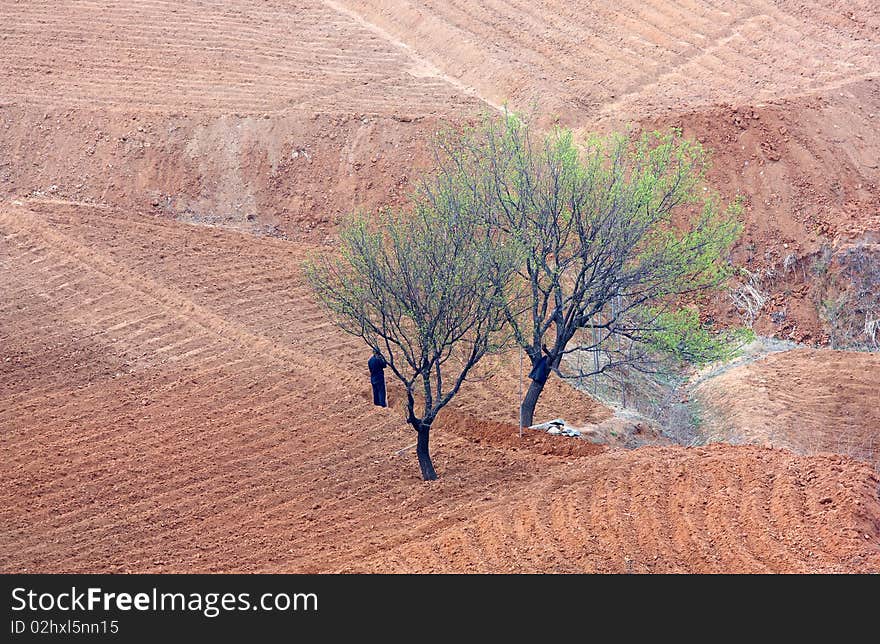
[428,473]
[527,409]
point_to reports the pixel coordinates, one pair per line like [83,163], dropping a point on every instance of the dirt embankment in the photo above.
[808,170]
[295,174]
[807,400]
[806,166]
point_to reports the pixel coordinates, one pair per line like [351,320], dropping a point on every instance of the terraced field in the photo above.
[176,403]
[171,397]
[806,400]
[255,115]
[243,57]
[577,59]
[707,510]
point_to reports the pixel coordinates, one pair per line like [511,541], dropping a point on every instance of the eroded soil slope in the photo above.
[807,169]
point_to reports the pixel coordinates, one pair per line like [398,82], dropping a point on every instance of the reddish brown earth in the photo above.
[171,398]
[280,118]
[580,61]
[173,401]
[806,400]
[288,113]
[808,169]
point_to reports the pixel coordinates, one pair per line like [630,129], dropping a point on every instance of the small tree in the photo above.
[611,237]
[427,287]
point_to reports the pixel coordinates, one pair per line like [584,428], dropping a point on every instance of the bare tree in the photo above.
[611,236]
[427,287]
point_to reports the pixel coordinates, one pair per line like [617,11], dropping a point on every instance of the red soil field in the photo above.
[583,61]
[172,399]
[806,400]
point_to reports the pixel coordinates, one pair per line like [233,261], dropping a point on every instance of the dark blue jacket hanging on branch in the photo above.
[541,370]
[377,365]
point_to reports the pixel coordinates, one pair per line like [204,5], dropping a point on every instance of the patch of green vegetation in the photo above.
[680,334]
